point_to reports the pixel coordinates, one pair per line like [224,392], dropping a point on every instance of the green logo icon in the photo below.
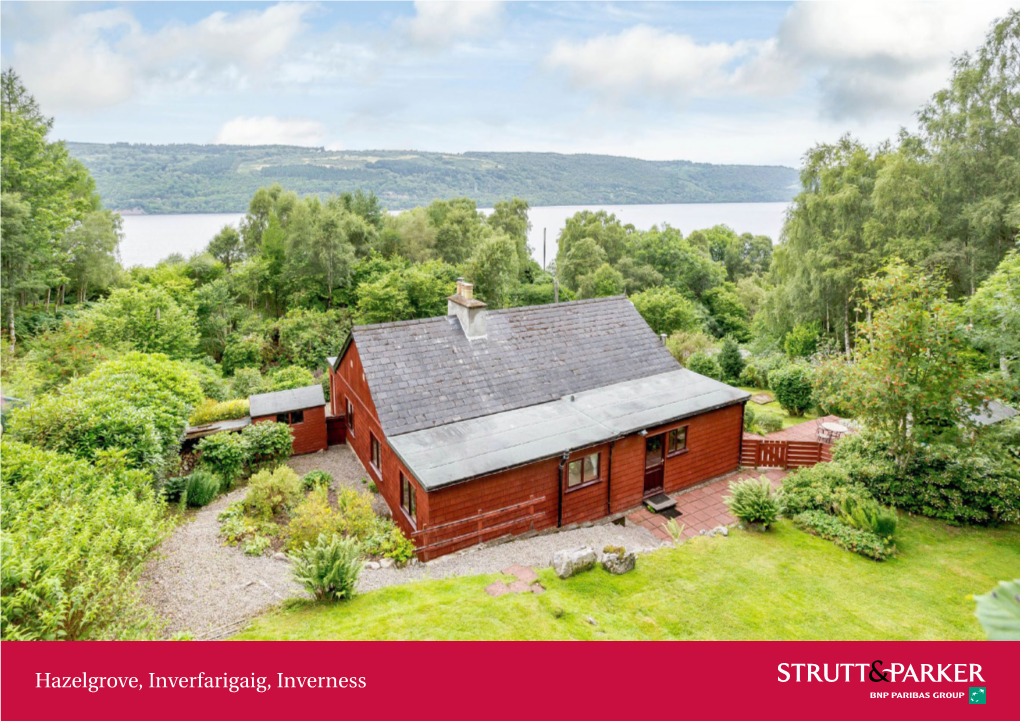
[977,694]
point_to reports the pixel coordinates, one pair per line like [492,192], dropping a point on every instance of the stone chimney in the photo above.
[469,311]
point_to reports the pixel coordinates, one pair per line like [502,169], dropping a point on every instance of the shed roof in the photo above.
[456,452]
[426,373]
[993,412]
[295,399]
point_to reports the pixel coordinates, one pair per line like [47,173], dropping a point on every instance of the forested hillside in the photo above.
[223,178]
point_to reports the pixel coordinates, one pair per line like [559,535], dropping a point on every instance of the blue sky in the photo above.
[715,82]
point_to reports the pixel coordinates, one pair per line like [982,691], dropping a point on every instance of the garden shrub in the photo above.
[311,518]
[868,515]
[138,402]
[843,535]
[823,487]
[316,479]
[802,341]
[209,411]
[283,379]
[74,537]
[225,454]
[731,363]
[389,541]
[248,382]
[202,487]
[793,388]
[174,488]
[705,365]
[754,502]
[749,417]
[268,443]
[329,568]
[977,484]
[271,492]
[355,515]
[682,344]
[768,423]
[757,368]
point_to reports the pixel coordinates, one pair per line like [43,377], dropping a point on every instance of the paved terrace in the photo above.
[806,431]
[701,508]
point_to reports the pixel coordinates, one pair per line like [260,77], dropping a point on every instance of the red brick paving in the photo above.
[806,431]
[701,508]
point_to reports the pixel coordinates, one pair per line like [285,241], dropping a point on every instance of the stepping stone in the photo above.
[497,589]
[521,573]
[538,589]
[762,398]
[520,586]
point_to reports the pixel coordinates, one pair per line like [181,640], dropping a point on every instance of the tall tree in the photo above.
[55,189]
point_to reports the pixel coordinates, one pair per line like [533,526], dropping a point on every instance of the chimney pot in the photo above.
[470,312]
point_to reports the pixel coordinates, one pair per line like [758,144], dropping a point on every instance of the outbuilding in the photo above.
[303,409]
[478,424]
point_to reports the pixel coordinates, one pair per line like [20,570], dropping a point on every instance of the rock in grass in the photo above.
[571,562]
[620,562]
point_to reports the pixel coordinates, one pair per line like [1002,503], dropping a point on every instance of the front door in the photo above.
[655,455]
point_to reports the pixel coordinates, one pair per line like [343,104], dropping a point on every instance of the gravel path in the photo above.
[536,552]
[197,584]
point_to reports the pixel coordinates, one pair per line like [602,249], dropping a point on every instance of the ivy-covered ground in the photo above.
[782,585]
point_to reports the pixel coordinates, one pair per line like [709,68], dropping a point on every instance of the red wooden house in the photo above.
[481,424]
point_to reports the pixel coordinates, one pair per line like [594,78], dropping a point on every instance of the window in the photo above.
[375,452]
[291,418]
[350,417]
[583,470]
[408,502]
[677,442]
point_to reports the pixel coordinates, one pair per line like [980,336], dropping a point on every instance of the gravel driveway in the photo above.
[197,584]
[536,552]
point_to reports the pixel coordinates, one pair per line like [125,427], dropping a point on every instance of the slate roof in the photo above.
[457,452]
[296,399]
[993,412]
[425,373]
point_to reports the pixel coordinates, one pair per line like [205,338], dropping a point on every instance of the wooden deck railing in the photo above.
[480,526]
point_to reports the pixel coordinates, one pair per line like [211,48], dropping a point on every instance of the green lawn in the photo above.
[777,410]
[781,585]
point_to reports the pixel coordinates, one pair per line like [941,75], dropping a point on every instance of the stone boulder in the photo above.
[574,561]
[618,560]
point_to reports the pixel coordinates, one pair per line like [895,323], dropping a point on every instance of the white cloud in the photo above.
[869,59]
[642,59]
[100,59]
[75,67]
[269,130]
[436,25]
[876,58]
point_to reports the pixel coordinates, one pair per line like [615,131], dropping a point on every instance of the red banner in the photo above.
[494,680]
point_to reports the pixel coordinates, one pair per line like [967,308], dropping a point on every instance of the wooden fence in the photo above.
[475,528]
[765,453]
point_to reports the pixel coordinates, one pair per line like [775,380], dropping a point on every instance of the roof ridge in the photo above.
[400,323]
[583,301]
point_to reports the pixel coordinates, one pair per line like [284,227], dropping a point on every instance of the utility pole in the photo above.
[543,248]
[556,290]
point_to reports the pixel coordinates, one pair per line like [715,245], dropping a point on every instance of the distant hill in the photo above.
[222,178]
